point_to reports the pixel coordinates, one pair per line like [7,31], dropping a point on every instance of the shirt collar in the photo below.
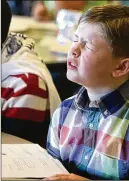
[108,104]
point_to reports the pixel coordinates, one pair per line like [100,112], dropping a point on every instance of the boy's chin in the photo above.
[72,77]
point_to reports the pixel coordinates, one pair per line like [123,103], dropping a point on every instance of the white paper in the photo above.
[28,161]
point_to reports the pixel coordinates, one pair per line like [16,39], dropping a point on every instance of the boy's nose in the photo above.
[75,51]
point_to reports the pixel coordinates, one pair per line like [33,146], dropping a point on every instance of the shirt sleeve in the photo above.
[53,135]
[25,106]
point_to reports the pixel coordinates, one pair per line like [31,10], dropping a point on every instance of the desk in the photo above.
[26,161]
[23,23]
[10,139]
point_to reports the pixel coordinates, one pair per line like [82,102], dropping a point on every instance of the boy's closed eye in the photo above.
[75,38]
[84,43]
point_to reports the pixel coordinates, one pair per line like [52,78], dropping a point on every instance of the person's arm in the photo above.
[71,5]
[40,11]
[24,107]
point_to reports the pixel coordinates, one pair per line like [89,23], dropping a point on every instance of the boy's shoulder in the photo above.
[67,103]
[78,99]
[65,107]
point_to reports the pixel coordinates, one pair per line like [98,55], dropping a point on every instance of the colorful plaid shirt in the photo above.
[92,138]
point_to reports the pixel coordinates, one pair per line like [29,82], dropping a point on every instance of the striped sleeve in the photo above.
[25,108]
[24,97]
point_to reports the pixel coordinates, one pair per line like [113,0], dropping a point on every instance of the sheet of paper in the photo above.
[28,160]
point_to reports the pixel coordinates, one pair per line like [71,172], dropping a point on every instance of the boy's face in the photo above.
[90,62]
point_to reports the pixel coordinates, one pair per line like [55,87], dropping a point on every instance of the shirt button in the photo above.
[91,125]
[106,113]
[86,157]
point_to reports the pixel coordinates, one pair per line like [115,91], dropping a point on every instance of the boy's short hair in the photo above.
[114,21]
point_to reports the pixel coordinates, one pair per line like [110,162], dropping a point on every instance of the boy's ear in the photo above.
[121,69]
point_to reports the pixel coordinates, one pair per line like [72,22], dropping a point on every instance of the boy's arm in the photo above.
[53,145]
[53,135]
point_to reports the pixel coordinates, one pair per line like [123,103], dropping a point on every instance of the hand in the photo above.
[65,177]
[40,12]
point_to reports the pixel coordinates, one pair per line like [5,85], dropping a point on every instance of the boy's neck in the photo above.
[97,92]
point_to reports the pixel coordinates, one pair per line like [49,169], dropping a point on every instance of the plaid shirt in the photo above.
[92,138]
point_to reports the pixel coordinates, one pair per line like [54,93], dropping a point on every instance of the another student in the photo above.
[29,96]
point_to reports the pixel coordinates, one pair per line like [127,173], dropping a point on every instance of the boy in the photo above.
[89,132]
